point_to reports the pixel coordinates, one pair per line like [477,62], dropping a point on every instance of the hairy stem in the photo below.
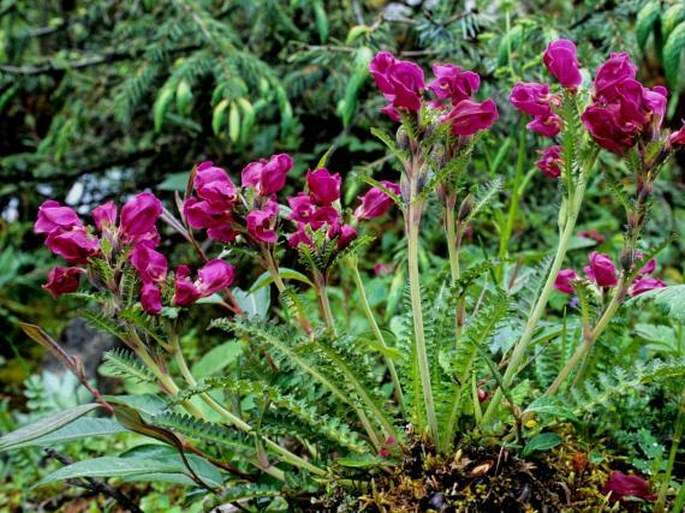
[284,454]
[413,222]
[659,507]
[371,318]
[519,353]
[322,294]
[590,338]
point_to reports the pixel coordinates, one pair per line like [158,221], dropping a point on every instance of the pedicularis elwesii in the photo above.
[437,387]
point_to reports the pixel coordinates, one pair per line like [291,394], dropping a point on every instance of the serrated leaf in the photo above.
[645,22]
[44,426]
[671,299]
[673,50]
[541,442]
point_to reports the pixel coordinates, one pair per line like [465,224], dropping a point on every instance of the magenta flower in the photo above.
[622,486]
[267,177]
[401,82]
[561,61]
[75,246]
[324,188]
[564,281]
[346,235]
[655,102]
[105,216]
[376,202]
[678,137]
[325,216]
[300,237]
[302,207]
[550,162]
[548,125]
[214,186]
[261,223]
[644,284]
[453,83]
[185,291]
[649,267]
[52,216]
[593,235]
[151,298]
[382,269]
[531,98]
[138,218]
[469,117]
[606,128]
[150,264]
[214,276]
[601,270]
[613,72]
[63,280]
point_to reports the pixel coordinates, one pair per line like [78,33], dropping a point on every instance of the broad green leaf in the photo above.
[672,17]
[81,428]
[254,304]
[216,359]
[541,442]
[645,22]
[673,49]
[184,96]
[285,273]
[44,426]
[552,406]
[149,404]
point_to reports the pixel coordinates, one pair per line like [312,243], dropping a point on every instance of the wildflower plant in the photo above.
[307,408]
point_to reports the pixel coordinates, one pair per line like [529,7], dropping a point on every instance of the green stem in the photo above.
[675,443]
[519,353]
[590,338]
[322,294]
[413,222]
[284,454]
[371,318]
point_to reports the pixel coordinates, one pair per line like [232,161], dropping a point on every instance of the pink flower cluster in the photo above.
[314,210]
[135,237]
[622,108]
[535,99]
[403,85]
[602,272]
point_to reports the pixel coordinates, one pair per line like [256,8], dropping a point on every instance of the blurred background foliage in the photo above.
[103,98]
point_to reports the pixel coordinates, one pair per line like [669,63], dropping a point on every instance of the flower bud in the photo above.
[63,280]
[564,281]
[105,216]
[601,270]
[376,202]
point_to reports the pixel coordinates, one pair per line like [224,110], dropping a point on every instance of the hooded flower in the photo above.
[550,162]
[601,270]
[214,276]
[105,216]
[606,128]
[346,235]
[644,284]
[678,137]
[324,187]
[561,61]
[267,177]
[376,202]
[150,264]
[564,281]
[63,280]
[213,185]
[531,98]
[53,216]
[151,298]
[611,74]
[547,125]
[201,214]
[300,237]
[138,218]
[622,486]
[469,117]
[185,291]
[261,223]
[401,82]
[75,246]
[453,83]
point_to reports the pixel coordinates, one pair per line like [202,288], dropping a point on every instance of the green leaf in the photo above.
[217,359]
[255,303]
[285,273]
[672,54]
[44,426]
[183,97]
[671,299]
[159,110]
[645,22]
[219,116]
[321,20]
[109,466]
[81,428]
[671,18]
[541,442]
[234,122]
[551,406]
